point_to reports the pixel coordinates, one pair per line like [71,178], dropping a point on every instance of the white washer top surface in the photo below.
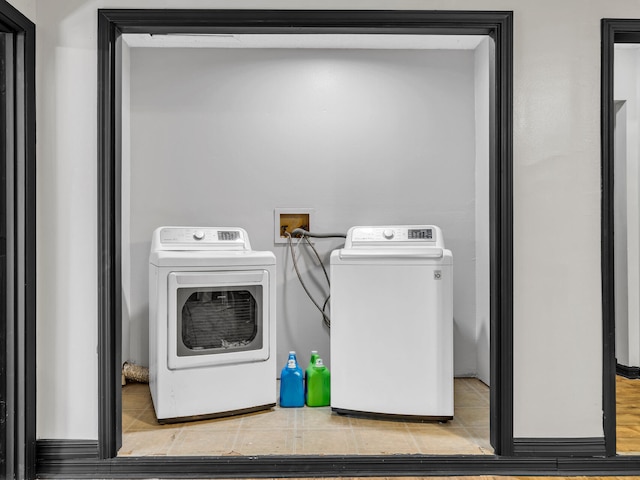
[205,246]
[410,243]
[395,236]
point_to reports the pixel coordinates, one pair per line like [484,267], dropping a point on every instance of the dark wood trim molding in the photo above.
[57,450]
[627,372]
[69,465]
[296,466]
[608,291]
[501,245]
[618,466]
[559,447]
[19,364]
[113,23]
[79,459]
[109,277]
[612,31]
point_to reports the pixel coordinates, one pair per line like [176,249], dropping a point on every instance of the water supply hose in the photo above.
[300,232]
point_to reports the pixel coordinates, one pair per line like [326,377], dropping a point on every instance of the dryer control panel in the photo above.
[201,238]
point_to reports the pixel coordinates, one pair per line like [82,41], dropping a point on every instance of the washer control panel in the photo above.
[395,235]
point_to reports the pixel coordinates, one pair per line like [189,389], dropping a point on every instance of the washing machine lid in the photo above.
[205,246]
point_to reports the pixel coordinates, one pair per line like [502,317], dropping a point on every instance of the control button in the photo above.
[388,234]
[198,234]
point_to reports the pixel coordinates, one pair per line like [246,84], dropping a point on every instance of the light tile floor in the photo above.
[314,431]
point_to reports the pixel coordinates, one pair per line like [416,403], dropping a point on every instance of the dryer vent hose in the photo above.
[135,373]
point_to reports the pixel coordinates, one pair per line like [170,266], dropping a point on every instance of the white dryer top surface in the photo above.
[205,246]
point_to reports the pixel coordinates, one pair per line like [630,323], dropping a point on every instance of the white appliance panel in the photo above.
[387,336]
[392,323]
[208,383]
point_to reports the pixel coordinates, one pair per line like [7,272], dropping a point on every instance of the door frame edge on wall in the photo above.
[19,409]
[612,31]
[111,24]
[499,25]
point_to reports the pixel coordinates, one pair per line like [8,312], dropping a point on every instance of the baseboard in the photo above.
[305,466]
[533,456]
[628,372]
[301,466]
[57,450]
[559,447]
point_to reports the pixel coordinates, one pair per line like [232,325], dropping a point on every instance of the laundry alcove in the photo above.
[363,129]
[258,176]
[364,136]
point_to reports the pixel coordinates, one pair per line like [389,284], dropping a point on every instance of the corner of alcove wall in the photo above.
[626,204]
[126,201]
[482,101]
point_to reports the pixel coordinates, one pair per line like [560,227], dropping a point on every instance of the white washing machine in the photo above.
[392,323]
[211,324]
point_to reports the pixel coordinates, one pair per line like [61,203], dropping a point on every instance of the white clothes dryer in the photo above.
[392,323]
[211,324]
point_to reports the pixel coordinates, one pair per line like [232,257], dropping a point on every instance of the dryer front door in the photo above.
[217,318]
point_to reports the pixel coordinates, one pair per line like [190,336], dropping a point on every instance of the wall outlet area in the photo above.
[286,220]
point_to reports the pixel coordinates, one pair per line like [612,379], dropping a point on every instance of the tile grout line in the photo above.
[174,441]
[236,435]
[354,437]
[295,431]
[132,418]
[240,432]
[481,390]
[413,438]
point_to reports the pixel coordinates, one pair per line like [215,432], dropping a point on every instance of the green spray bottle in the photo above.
[318,385]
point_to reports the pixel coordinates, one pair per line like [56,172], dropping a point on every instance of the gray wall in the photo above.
[557,321]
[222,137]
[26,7]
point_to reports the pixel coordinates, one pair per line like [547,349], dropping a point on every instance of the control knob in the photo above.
[388,234]
[198,234]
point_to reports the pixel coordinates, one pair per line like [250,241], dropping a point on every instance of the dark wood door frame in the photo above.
[613,31]
[17,244]
[113,23]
